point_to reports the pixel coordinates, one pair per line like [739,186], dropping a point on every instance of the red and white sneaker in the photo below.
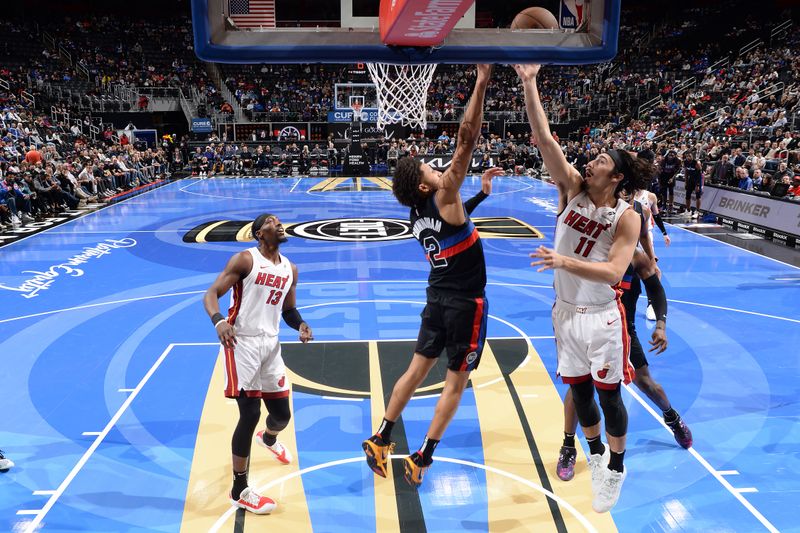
[250,500]
[278,450]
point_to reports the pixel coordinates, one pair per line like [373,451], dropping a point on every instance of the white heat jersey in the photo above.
[643,197]
[257,300]
[585,232]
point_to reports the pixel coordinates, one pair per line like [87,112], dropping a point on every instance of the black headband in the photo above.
[258,222]
[615,156]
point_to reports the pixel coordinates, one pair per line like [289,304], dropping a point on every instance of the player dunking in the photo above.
[264,283]
[455,315]
[642,267]
[596,234]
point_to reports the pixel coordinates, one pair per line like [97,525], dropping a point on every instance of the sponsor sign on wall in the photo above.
[201,125]
[346,115]
[748,209]
[444,161]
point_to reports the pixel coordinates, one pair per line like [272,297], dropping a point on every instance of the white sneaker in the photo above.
[26,218]
[650,313]
[598,465]
[15,221]
[606,498]
[5,464]
[278,450]
[250,500]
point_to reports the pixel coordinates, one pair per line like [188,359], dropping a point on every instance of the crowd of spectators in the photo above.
[46,168]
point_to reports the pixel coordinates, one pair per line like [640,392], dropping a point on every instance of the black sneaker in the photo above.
[566,463]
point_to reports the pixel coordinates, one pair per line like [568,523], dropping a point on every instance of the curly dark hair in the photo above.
[405,184]
[637,172]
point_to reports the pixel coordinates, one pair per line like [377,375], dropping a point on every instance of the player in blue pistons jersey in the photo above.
[454,318]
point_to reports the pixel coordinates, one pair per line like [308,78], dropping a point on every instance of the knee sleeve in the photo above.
[279,414]
[614,411]
[585,406]
[249,413]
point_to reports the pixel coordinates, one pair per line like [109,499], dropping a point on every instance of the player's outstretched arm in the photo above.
[238,267]
[290,313]
[468,133]
[486,189]
[567,178]
[611,271]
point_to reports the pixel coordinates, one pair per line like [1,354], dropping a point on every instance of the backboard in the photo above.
[286,31]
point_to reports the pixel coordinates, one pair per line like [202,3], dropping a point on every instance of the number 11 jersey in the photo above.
[585,232]
[257,299]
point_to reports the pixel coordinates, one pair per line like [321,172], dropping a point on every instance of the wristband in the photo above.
[292,318]
[217,318]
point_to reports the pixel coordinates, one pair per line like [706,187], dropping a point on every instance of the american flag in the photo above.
[252,13]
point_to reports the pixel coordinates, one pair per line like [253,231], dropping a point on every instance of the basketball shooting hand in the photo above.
[305,333]
[527,72]
[658,340]
[484,71]
[488,176]
[548,258]
[226,334]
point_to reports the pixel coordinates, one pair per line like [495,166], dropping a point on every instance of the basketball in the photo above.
[537,18]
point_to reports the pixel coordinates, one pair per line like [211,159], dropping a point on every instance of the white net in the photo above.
[402,93]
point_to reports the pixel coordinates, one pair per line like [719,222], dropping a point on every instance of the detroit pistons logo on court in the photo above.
[353,229]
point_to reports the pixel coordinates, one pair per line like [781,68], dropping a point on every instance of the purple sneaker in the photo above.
[566,463]
[683,435]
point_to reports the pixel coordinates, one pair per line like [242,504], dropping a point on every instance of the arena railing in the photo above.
[749,47]
[781,30]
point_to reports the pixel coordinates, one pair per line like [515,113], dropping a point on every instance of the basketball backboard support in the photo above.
[222,37]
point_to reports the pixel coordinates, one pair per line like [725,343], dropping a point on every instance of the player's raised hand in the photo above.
[527,72]
[226,334]
[305,333]
[487,177]
[484,71]
[548,259]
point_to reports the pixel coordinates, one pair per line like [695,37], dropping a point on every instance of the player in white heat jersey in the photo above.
[596,235]
[263,282]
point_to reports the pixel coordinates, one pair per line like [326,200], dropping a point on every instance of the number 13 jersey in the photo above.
[257,299]
[454,252]
[585,232]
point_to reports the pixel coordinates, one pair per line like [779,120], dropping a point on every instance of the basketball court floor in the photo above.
[112,404]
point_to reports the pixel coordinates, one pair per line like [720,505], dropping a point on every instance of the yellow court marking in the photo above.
[544,411]
[201,237]
[321,185]
[386,517]
[335,182]
[210,477]
[383,183]
[511,506]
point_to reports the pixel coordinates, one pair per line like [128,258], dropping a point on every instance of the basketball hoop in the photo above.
[402,93]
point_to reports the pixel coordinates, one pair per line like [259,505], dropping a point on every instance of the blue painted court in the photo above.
[112,395]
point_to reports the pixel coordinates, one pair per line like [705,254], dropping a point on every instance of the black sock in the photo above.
[426,450]
[615,462]
[385,431]
[596,446]
[671,416]
[239,484]
[569,440]
[270,439]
